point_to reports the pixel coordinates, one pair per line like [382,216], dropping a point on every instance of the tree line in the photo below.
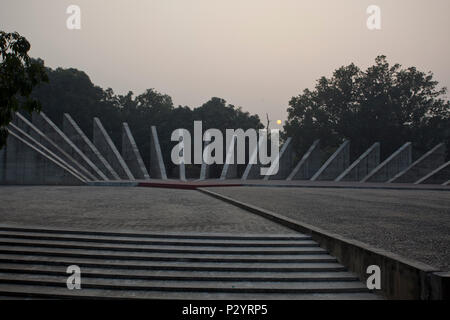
[71,91]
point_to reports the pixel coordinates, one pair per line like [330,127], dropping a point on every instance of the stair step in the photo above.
[170,265]
[113,255]
[40,292]
[165,235]
[167,242]
[192,286]
[179,275]
[131,265]
[162,249]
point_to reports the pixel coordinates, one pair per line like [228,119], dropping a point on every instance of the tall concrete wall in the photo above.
[359,169]
[131,154]
[41,141]
[335,165]
[205,168]
[77,136]
[423,166]
[71,151]
[285,162]
[157,167]
[2,163]
[440,175]
[253,168]
[105,145]
[229,170]
[27,164]
[397,162]
[40,153]
[41,149]
[309,164]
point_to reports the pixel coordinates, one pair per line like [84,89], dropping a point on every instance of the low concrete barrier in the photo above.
[400,278]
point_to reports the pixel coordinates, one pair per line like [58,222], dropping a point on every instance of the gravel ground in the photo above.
[411,223]
[127,209]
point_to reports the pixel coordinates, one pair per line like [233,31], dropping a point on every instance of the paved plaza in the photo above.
[412,223]
[127,209]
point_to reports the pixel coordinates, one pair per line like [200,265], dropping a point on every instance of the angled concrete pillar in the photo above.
[38,132]
[30,163]
[77,136]
[30,156]
[205,169]
[229,170]
[440,175]
[335,165]
[446,183]
[131,154]
[359,169]
[397,162]
[157,167]
[105,145]
[284,162]
[252,170]
[309,164]
[43,123]
[2,164]
[423,166]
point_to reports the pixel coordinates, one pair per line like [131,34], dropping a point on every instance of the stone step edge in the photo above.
[168,235]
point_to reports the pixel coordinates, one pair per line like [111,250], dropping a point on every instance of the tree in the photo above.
[385,103]
[19,74]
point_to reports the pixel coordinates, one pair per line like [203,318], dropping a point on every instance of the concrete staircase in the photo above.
[33,264]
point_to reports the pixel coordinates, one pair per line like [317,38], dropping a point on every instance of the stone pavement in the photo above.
[126,209]
[412,223]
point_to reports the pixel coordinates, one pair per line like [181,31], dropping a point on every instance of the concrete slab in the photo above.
[423,166]
[437,176]
[229,170]
[285,162]
[252,171]
[29,163]
[335,165]
[33,161]
[53,132]
[2,163]
[359,169]
[131,154]
[205,168]
[78,137]
[157,167]
[105,145]
[36,133]
[397,162]
[309,164]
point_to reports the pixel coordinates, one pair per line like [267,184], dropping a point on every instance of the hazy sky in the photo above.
[254,53]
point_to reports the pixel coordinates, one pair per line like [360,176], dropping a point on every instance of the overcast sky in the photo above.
[254,53]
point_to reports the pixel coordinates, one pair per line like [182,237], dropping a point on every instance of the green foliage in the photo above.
[385,103]
[19,74]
